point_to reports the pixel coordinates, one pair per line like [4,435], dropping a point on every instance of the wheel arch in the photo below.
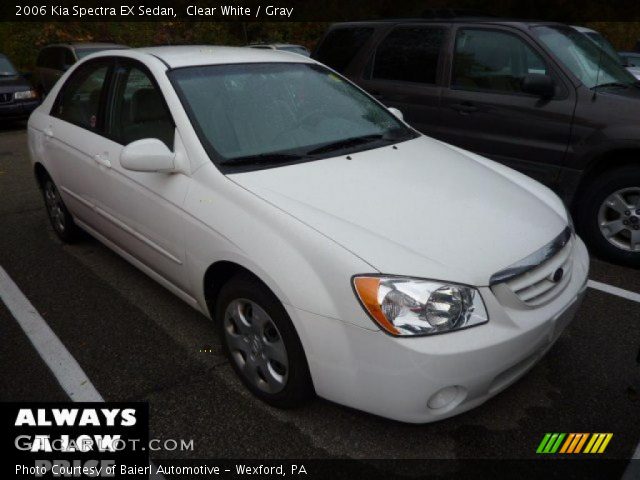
[41,174]
[218,274]
[603,162]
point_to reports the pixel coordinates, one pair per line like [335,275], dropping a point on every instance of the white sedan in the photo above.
[340,251]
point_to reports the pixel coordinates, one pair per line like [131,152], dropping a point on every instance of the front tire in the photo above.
[609,216]
[60,218]
[261,343]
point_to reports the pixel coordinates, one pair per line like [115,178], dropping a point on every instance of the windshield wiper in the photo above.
[262,158]
[346,143]
[611,84]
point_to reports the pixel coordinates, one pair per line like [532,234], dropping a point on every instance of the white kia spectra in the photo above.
[340,251]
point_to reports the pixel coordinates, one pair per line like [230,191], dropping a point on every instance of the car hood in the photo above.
[422,209]
[13,84]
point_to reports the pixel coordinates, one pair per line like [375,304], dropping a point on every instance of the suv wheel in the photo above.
[61,220]
[609,218]
[261,343]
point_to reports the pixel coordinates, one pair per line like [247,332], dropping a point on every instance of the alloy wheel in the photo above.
[619,219]
[256,345]
[55,207]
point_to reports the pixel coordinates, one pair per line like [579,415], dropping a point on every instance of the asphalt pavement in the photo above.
[137,342]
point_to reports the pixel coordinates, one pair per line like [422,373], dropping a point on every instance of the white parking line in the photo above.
[64,367]
[629,295]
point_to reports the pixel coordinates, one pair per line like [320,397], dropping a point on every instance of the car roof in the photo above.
[194,55]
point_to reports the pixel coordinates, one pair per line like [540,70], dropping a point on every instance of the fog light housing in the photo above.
[446,397]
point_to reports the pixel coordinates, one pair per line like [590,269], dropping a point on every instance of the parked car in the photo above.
[630,59]
[603,43]
[339,250]
[54,60]
[287,47]
[18,98]
[538,97]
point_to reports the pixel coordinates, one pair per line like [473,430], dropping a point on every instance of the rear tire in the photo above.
[60,218]
[262,344]
[608,216]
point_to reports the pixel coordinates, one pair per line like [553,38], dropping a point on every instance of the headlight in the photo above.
[25,95]
[409,306]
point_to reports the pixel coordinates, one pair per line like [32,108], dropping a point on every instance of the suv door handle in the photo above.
[464,108]
[101,159]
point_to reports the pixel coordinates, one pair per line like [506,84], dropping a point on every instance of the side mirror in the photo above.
[539,85]
[396,113]
[147,155]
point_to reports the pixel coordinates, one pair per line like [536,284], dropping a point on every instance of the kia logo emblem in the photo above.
[557,275]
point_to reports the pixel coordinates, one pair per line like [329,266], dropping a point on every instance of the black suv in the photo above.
[539,97]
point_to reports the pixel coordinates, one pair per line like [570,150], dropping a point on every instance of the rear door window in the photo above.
[79,100]
[340,45]
[409,54]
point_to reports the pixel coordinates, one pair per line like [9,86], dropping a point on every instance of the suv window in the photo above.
[138,108]
[340,46]
[493,60]
[67,58]
[79,99]
[409,54]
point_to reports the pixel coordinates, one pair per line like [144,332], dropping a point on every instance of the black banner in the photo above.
[77,440]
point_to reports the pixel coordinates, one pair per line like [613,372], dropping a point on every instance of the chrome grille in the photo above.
[541,276]
[6,97]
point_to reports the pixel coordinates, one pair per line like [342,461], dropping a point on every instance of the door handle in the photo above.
[464,108]
[48,133]
[101,159]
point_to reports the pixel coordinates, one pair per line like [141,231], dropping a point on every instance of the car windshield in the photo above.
[591,64]
[267,113]
[604,44]
[6,67]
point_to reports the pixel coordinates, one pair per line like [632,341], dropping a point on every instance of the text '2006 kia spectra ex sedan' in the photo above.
[340,251]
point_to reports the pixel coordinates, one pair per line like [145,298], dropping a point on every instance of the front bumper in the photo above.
[398,377]
[18,110]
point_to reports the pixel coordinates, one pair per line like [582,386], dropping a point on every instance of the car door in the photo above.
[485,110]
[404,72]
[143,209]
[74,129]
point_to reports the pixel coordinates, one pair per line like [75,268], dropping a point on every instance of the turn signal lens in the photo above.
[409,306]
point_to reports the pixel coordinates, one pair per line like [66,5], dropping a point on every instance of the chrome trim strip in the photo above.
[533,260]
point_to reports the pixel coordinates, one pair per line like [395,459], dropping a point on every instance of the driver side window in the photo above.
[490,60]
[138,109]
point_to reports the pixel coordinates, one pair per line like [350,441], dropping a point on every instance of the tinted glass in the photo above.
[263,108]
[79,100]
[83,52]
[493,61]
[340,46]
[138,110]
[409,54]
[6,67]
[583,57]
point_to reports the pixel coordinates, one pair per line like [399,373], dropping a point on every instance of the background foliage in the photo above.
[21,41]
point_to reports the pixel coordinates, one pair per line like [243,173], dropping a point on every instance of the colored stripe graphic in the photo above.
[574,443]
